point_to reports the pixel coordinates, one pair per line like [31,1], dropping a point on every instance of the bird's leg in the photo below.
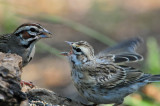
[30,84]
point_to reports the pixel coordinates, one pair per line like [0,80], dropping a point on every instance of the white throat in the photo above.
[74,60]
[78,60]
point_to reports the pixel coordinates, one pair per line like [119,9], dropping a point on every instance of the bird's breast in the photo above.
[82,78]
[27,55]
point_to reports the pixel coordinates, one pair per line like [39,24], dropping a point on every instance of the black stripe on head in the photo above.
[87,45]
[29,43]
[82,43]
[30,24]
[21,30]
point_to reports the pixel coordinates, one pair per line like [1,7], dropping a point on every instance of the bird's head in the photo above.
[29,33]
[81,49]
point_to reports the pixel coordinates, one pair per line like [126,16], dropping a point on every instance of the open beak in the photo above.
[70,43]
[45,34]
[67,53]
[64,53]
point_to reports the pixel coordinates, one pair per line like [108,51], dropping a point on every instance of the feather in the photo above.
[154,78]
[125,47]
[123,52]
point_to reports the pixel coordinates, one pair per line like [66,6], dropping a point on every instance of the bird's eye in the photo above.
[78,49]
[33,29]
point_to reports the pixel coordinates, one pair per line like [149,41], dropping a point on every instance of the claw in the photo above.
[30,84]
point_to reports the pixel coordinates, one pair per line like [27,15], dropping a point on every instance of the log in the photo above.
[11,90]
[10,74]
[45,97]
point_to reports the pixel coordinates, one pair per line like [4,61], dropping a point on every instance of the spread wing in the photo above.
[122,52]
[110,75]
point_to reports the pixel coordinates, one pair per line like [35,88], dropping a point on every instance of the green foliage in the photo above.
[153,57]
[106,18]
[9,23]
[131,101]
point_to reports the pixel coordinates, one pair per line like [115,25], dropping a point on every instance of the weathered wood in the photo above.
[10,88]
[10,73]
[41,97]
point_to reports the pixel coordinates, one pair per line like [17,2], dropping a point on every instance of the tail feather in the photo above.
[154,78]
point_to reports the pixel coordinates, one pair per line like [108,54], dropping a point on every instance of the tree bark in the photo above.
[10,73]
[10,88]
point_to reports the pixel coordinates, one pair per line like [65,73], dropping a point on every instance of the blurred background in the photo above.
[102,23]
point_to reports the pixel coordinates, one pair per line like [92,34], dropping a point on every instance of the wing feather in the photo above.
[3,42]
[111,75]
[125,47]
[123,52]
[107,75]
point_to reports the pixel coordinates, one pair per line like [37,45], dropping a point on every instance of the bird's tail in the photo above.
[154,78]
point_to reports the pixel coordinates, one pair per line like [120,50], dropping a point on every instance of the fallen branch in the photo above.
[10,88]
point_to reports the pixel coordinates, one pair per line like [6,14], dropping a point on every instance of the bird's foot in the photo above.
[29,84]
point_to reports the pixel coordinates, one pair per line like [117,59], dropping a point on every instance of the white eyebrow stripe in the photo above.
[25,28]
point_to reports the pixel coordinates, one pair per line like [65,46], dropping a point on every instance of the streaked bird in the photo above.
[105,78]
[22,40]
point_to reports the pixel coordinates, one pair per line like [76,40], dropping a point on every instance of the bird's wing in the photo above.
[107,75]
[111,75]
[4,38]
[125,47]
[122,58]
[132,74]
[3,42]
[122,52]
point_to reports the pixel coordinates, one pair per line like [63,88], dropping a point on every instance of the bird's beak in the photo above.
[64,53]
[70,43]
[68,53]
[45,34]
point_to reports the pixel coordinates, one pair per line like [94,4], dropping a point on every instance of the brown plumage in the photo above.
[22,40]
[104,78]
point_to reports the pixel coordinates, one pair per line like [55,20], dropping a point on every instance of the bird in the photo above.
[106,78]
[22,41]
